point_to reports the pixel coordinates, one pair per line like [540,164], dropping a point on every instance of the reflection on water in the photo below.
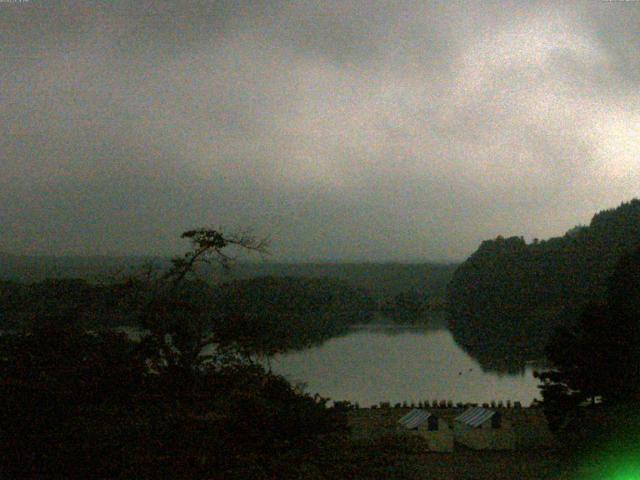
[387,362]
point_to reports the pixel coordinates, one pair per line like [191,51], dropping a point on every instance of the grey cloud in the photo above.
[347,130]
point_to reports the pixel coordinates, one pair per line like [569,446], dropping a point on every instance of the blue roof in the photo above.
[414,418]
[475,416]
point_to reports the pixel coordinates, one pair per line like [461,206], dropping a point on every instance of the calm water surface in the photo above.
[397,363]
[387,362]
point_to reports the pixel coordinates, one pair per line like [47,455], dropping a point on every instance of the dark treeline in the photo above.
[386,283]
[508,297]
[92,304]
[276,314]
[383,281]
[281,312]
[597,356]
[36,268]
[591,393]
[265,315]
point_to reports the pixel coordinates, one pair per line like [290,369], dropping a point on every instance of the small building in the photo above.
[483,429]
[433,429]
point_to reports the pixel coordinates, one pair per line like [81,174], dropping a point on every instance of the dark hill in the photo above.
[507,297]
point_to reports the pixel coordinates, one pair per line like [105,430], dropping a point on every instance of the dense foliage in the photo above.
[264,315]
[509,296]
[384,282]
[268,315]
[179,403]
[85,405]
[598,356]
[21,303]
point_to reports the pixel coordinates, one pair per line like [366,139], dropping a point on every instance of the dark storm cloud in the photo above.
[352,130]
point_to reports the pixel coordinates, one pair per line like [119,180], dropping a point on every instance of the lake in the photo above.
[386,361]
[396,363]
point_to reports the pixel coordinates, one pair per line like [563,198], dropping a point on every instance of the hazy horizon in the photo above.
[347,131]
[245,259]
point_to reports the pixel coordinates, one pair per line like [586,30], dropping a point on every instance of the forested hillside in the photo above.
[275,314]
[265,315]
[393,286]
[507,297]
[383,281]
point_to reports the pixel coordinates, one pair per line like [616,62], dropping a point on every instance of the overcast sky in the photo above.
[345,130]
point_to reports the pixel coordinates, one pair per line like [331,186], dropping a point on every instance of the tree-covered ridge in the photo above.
[275,314]
[294,295]
[506,299]
[384,281]
[264,315]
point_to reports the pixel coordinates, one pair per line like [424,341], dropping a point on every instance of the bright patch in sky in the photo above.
[411,130]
